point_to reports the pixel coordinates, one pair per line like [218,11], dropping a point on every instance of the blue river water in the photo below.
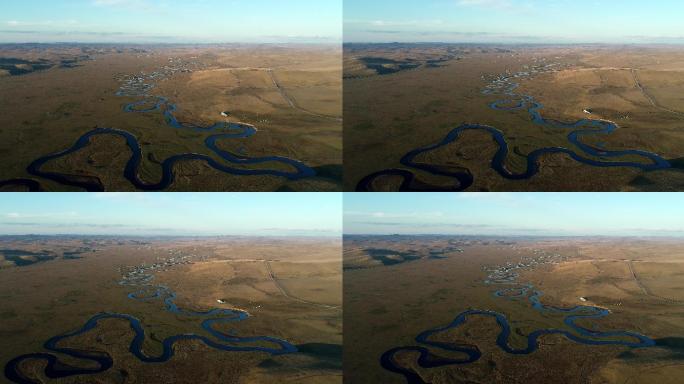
[225,131]
[506,86]
[56,369]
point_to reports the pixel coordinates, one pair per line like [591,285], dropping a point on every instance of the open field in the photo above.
[207,118]
[585,287]
[622,104]
[286,291]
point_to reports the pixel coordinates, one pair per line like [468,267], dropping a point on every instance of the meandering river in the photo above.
[506,85]
[141,278]
[140,87]
[508,275]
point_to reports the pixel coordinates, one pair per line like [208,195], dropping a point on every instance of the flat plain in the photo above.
[513,118]
[178,118]
[210,310]
[423,309]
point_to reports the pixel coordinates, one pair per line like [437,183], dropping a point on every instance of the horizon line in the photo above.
[511,43]
[508,236]
[169,236]
[178,43]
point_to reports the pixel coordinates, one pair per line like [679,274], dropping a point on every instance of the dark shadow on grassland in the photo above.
[325,356]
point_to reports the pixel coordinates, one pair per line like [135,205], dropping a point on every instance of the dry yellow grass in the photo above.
[65,293]
[386,116]
[48,111]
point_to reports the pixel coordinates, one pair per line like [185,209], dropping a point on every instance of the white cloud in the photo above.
[387,23]
[17,215]
[386,215]
[44,23]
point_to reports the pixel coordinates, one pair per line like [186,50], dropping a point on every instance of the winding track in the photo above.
[648,96]
[292,102]
[645,290]
[287,294]
[463,179]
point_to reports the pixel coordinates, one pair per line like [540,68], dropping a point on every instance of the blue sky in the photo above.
[530,214]
[515,21]
[263,214]
[171,21]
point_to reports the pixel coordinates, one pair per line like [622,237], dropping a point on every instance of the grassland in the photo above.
[391,113]
[637,280]
[291,95]
[57,296]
